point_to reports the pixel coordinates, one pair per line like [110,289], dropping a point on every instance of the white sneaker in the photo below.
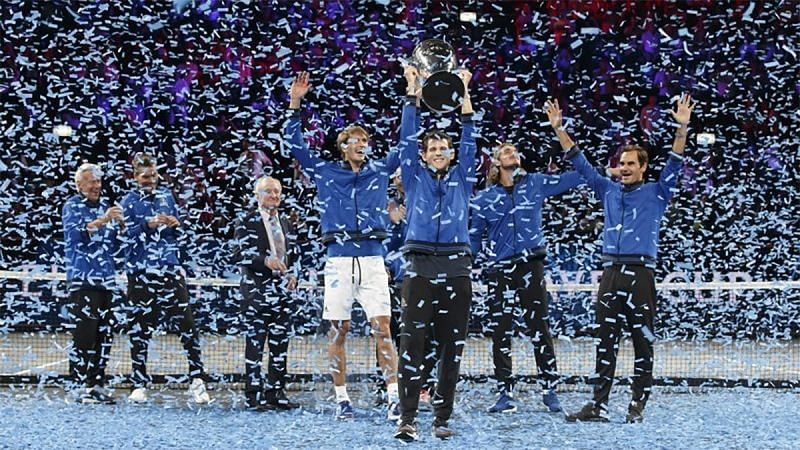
[198,391]
[139,395]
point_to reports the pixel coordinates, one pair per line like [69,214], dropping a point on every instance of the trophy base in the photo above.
[443,92]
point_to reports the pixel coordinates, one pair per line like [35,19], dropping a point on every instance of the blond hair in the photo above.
[493,177]
[345,134]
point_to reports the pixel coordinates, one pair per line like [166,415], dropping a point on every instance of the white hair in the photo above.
[87,167]
[264,179]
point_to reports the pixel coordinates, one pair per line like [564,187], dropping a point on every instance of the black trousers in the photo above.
[396,325]
[524,282]
[396,320]
[92,336]
[443,306]
[627,294]
[266,317]
[150,294]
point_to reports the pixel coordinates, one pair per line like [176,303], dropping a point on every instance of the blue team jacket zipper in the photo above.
[514,217]
[621,223]
[439,219]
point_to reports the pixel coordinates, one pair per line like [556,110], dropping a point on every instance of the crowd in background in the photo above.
[203,87]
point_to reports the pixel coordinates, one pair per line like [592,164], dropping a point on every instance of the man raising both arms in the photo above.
[627,293]
[352,197]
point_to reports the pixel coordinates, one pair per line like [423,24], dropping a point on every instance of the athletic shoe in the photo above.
[198,391]
[635,412]
[551,400]
[139,395]
[441,430]
[407,432]
[380,396]
[425,400]
[504,404]
[344,411]
[96,395]
[393,413]
[278,400]
[254,401]
[589,413]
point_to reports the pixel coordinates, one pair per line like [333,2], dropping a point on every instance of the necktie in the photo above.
[277,241]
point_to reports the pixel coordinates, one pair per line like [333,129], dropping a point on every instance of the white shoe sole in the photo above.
[505,411]
[406,437]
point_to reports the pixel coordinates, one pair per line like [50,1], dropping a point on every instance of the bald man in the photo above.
[265,251]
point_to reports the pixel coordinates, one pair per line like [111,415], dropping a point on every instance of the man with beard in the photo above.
[156,278]
[352,196]
[627,293]
[510,210]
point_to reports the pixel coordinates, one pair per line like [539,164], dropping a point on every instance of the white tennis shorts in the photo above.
[355,278]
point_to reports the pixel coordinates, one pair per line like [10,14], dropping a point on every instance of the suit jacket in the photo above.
[251,247]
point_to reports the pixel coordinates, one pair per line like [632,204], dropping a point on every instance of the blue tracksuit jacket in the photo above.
[632,213]
[154,249]
[438,206]
[89,257]
[352,204]
[514,221]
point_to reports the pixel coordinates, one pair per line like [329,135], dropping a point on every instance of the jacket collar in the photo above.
[632,187]
[346,165]
[90,203]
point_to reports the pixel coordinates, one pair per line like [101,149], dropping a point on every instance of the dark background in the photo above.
[203,87]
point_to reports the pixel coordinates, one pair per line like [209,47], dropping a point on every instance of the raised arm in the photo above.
[409,123]
[408,147]
[553,112]
[292,131]
[597,182]
[558,184]
[682,116]
[669,176]
[467,148]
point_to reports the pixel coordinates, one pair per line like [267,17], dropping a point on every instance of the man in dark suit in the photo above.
[264,250]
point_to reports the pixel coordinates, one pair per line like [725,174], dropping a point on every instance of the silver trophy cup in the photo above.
[442,88]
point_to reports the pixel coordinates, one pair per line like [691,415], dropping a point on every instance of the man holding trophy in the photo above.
[437,290]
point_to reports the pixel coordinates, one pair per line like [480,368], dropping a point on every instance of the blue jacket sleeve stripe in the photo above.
[409,149]
[408,130]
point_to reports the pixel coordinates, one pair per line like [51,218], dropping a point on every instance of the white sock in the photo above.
[341,393]
[392,392]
